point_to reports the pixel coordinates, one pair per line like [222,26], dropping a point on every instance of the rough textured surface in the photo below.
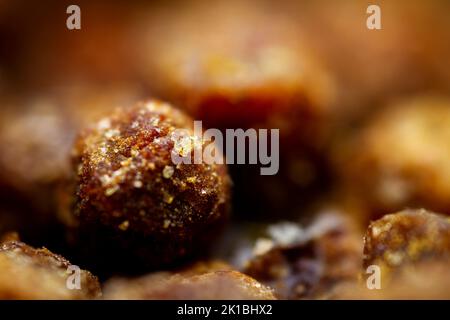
[406,237]
[400,158]
[133,206]
[29,273]
[411,249]
[223,285]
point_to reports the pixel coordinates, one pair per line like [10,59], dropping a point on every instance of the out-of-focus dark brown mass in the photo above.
[227,66]
[230,68]
[308,263]
[29,273]
[133,205]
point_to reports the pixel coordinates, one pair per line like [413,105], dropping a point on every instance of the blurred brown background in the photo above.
[409,54]
[52,77]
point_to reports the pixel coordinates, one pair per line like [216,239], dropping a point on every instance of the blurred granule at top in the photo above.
[236,65]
